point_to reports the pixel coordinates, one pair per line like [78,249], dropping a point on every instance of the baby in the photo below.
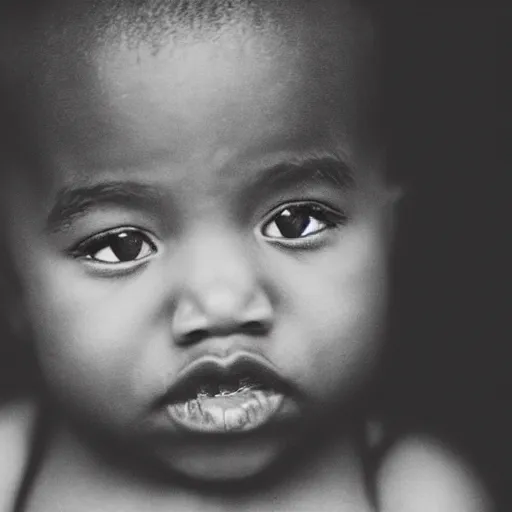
[202,229]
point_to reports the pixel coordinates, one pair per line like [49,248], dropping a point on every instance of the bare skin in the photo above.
[417,475]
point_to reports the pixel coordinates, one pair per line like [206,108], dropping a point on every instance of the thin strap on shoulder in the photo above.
[37,447]
[17,423]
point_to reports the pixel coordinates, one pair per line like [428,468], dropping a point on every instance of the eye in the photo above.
[121,246]
[301,220]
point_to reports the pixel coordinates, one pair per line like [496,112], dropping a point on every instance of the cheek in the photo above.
[92,336]
[337,308]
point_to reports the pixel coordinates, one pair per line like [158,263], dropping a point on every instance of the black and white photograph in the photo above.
[252,256]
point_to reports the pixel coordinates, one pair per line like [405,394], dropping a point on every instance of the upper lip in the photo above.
[213,368]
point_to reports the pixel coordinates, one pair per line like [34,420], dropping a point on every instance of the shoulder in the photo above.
[17,422]
[420,474]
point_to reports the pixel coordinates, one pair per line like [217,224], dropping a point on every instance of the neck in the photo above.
[327,476]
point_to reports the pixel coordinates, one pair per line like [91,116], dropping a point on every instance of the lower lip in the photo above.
[238,412]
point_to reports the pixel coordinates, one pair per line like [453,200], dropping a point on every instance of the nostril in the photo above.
[255,327]
[195,336]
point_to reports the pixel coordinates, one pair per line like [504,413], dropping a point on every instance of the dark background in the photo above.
[447,100]
[448,104]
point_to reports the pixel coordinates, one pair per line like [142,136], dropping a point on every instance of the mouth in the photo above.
[214,396]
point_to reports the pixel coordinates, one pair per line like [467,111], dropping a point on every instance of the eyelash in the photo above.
[309,210]
[89,248]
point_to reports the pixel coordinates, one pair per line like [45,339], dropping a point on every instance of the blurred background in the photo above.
[448,102]
[447,112]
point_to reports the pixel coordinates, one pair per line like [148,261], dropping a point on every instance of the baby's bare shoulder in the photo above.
[17,421]
[420,474]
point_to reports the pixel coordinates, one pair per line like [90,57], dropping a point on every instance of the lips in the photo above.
[212,376]
[215,396]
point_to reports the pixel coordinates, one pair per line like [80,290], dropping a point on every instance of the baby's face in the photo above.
[207,268]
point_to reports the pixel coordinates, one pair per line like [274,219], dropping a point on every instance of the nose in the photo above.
[221,294]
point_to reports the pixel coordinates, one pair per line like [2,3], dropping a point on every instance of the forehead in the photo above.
[293,80]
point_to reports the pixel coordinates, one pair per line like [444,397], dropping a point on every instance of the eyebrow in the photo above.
[73,202]
[313,167]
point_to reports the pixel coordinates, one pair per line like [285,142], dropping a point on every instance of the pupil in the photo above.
[127,246]
[292,222]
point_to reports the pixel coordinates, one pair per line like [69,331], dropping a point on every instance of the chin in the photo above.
[224,462]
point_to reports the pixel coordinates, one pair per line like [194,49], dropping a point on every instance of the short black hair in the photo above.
[153,21]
